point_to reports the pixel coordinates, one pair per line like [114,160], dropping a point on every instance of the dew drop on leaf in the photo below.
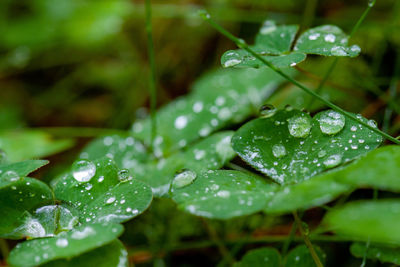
[278,151]
[267,111]
[83,170]
[338,51]
[299,126]
[331,122]
[62,242]
[3,157]
[124,175]
[184,178]
[232,59]
[10,176]
[333,161]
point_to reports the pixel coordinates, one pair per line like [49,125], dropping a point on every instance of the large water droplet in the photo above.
[338,51]
[184,178]
[10,176]
[333,161]
[279,151]
[83,170]
[267,111]
[224,149]
[62,242]
[124,175]
[299,126]
[331,122]
[231,59]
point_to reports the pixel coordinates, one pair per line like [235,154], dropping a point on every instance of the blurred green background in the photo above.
[82,63]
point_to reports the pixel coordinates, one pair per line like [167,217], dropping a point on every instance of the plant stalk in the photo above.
[242,44]
[152,79]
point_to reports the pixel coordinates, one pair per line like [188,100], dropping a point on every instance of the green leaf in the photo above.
[272,43]
[382,253]
[375,220]
[19,169]
[113,254]
[300,257]
[65,245]
[378,169]
[290,147]
[219,99]
[311,193]
[107,196]
[326,40]
[29,144]
[17,199]
[223,194]
[261,257]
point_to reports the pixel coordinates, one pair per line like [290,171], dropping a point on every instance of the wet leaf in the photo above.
[17,199]
[19,169]
[223,194]
[382,253]
[66,245]
[326,40]
[113,254]
[104,197]
[261,257]
[291,147]
[300,257]
[362,220]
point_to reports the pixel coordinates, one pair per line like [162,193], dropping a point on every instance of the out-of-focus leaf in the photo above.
[382,253]
[300,256]
[261,257]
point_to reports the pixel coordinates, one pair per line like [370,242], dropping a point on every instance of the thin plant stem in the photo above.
[364,260]
[392,92]
[4,248]
[286,244]
[152,80]
[335,61]
[242,44]
[309,14]
[307,241]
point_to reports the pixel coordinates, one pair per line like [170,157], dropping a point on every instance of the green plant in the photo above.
[207,153]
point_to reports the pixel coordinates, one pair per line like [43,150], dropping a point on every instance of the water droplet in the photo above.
[124,175]
[184,178]
[197,106]
[62,242]
[224,148]
[372,123]
[267,111]
[223,194]
[3,156]
[330,38]
[331,122]
[299,126]
[232,58]
[110,200]
[268,27]
[10,176]
[181,122]
[333,161]
[83,170]
[338,51]
[279,151]
[321,153]
[313,36]
[353,128]
[371,3]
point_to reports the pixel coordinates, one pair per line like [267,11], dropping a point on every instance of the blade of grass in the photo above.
[242,44]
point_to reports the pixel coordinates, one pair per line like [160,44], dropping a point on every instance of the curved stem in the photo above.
[314,255]
[152,82]
[242,44]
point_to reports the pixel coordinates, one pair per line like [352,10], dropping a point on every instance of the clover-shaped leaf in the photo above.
[221,194]
[10,172]
[65,245]
[383,253]
[291,147]
[113,254]
[369,220]
[219,99]
[326,40]
[101,192]
[261,257]
[274,43]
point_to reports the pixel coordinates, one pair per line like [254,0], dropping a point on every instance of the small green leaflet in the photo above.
[274,43]
[65,245]
[300,257]
[291,147]
[382,253]
[260,257]
[222,194]
[106,196]
[374,220]
[113,254]
[10,172]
